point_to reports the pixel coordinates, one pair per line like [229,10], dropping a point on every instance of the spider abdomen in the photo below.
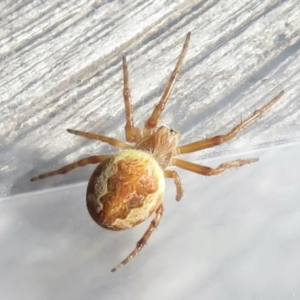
[125,189]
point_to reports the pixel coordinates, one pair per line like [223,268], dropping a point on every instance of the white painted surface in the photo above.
[235,236]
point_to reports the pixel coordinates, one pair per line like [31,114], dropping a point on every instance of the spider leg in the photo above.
[132,133]
[207,171]
[176,178]
[152,121]
[142,242]
[80,163]
[102,138]
[219,139]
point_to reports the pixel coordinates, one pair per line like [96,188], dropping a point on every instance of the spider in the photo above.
[127,187]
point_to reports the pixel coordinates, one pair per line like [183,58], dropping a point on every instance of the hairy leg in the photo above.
[142,242]
[102,138]
[176,178]
[207,171]
[80,163]
[219,139]
[152,121]
[132,133]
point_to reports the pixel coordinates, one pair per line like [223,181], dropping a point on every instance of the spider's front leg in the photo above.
[220,139]
[152,121]
[142,242]
[133,134]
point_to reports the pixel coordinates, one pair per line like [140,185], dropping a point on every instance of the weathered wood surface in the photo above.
[61,68]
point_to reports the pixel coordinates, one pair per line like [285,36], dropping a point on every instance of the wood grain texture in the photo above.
[60,65]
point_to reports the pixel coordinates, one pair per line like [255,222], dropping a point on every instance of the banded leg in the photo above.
[142,242]
[80,163]
[219,139]
[207,171]
[132,133]
[176,178]
[152,121]
[102,138]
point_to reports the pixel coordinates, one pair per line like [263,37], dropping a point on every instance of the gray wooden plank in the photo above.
[61,68]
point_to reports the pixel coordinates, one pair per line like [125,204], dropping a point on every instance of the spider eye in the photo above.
[172,131]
